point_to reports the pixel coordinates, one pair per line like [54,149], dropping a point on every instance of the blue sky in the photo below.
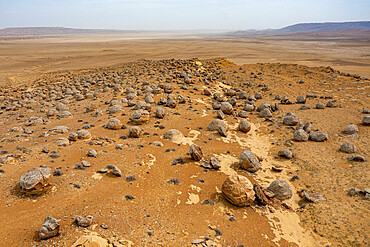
[178,14]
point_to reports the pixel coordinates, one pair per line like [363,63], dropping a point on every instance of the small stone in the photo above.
[92,153]
[222,131]
[318,136]
[285,153]
[208,201]
[227,108]
[312,196]
[301,99]
[174,181]
[114,124]
[280,189]
[244,126]
[320,106]
[83,221]
[49,229]
[83,134]
[115,170]
[290,119]
[348,147]
[62,141]
[356,157]
[214,163]
[215,124]
[354,192]
[350,129]
[130,178]
[249,161]
[300,135]
[196,152]
[366,120]
[134,132]
[160,112]
[265,113]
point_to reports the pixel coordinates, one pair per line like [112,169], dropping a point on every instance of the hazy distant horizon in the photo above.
[178,15]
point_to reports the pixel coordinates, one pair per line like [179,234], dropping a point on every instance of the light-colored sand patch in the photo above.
[151,161]
[97,176]
[200,101]
[193,199]
[193,135]
[204,113]
[226,161]
[286,225]
[193,187]
[257,143]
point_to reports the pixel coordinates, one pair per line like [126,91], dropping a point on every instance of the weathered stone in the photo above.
[280,189]
[350,129]
[300,135]
[249,161]
[134,132]
[49,229]
[36,181]
[114,124]
[318,136]
[238,190]
[62,141]
[244,126]
[83,134]
[160,112]
[83,221]
[348,147]
[196,152]
[215,124]
[286,153]
[290,119]
[227,108]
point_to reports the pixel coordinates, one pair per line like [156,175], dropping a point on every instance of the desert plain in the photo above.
[124,125]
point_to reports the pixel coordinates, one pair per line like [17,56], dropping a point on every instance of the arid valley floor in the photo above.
[143,106]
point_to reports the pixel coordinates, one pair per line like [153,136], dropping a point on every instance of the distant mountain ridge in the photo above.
[300,28]
[308,28]
[55,30]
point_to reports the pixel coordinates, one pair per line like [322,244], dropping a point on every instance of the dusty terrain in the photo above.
[150,211]
[26,58]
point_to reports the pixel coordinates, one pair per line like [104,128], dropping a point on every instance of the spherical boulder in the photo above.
[238,190]
[244,126]
[134,132]
[280,189]
[114,124]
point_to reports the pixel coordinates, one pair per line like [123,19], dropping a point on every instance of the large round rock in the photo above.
[249,161]
[280,189]
[114,124]
[216,124]
[238,190]
[36,181]
[290,119]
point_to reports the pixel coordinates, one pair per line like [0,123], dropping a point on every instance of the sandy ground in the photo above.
[26,58]
[163,214]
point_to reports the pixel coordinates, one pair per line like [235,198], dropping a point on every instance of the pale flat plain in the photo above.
[24,59]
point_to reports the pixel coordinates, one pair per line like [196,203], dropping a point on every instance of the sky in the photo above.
[178,14]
